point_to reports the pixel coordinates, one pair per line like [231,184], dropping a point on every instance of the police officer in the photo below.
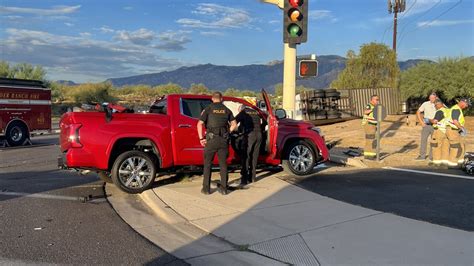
[219,121]
[456,132]
[251,129]
[370,127]
[439,141]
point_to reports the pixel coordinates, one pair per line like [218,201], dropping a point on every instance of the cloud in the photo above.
[441,23]
[211,33]
[54,11]
[81,55]
[128,8]
[322,15]
[218,17]
[274,21]
[140,37]
[172,41]
[68,24]
[105,29]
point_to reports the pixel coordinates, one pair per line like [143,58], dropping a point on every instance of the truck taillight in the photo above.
[73,136]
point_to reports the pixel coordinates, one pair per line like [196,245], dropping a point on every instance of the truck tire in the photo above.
[134,171]
[105,176]
[299,158]
[16,133]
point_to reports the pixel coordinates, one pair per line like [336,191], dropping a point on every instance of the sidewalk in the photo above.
[290,224]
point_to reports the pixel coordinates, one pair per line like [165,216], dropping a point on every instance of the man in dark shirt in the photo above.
[251,128]
[216,118]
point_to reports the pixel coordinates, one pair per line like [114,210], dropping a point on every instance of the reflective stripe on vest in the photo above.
[442,124]
[370,117]
[460,119]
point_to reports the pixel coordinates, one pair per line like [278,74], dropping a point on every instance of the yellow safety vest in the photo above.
[460,119]
[370,117]
[442,124]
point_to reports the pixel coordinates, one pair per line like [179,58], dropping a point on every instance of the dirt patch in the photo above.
[400,142]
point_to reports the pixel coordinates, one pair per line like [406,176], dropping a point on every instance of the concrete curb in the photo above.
[354,162]
[170,231]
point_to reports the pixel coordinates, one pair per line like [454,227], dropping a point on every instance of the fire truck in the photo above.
[25,108]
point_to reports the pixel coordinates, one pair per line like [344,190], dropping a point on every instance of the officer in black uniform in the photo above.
[251,128]
[219,122]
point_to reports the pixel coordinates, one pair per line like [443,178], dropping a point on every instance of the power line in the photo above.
[418,18]
[434,19]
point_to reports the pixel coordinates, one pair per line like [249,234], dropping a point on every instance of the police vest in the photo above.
[255,123]
[442,123]
[460,119]
[370,117]
[218,119]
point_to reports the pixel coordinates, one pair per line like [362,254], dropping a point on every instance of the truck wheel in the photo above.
[16,134]
[299,158]
[134,171]
[105,176]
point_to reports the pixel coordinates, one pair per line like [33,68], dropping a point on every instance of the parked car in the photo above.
[132,148]
[25,108]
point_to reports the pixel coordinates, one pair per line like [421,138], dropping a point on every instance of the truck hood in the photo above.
[294,123]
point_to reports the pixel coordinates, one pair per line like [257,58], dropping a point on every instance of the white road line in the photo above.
[428,173]
[47,196]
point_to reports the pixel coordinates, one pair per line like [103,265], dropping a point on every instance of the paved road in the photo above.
[442,200]
[53,225]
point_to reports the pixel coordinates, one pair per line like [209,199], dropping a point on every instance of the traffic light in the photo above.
[295,21]
[308,68]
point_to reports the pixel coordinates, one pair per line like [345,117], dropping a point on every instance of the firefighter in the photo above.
[251,128]
[455,132]
[439,141]
[219,122]
[370,127]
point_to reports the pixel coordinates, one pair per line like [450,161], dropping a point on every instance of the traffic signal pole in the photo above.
[289,78]
[295,21]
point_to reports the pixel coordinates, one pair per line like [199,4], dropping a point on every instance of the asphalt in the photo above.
[441,200]
[53,225]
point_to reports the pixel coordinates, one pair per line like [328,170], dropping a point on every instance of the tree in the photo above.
[198,89]
[22,71]
[92,93]
[376,66]
[170,88]
[449,77]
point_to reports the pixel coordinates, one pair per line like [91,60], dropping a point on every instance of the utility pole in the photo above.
[395,7]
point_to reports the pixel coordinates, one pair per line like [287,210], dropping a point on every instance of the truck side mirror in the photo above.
[280,114]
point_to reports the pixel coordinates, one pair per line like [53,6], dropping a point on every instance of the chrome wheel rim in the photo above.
[16,133]
[135,172]
[301,158]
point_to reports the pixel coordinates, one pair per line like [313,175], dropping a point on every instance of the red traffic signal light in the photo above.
[295,21]
[308,68]
[296,3]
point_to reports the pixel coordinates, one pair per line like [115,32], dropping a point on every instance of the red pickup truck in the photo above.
[132,148]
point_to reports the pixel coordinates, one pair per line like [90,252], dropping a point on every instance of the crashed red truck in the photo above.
[131,149]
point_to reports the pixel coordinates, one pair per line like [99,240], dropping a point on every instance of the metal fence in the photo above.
[354,101]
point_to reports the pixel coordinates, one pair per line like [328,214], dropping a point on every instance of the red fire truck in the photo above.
[25,107]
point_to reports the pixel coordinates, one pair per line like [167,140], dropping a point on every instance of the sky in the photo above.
[90,40]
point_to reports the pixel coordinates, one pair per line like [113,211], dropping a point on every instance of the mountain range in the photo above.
[247,77]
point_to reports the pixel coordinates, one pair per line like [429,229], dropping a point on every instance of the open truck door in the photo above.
[272,123]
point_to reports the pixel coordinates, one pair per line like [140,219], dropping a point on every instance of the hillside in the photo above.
[251,77]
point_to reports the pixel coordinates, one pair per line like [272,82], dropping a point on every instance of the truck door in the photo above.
[187,147]
[272,122]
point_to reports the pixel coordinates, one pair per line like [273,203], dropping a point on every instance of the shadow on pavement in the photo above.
[440,200]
